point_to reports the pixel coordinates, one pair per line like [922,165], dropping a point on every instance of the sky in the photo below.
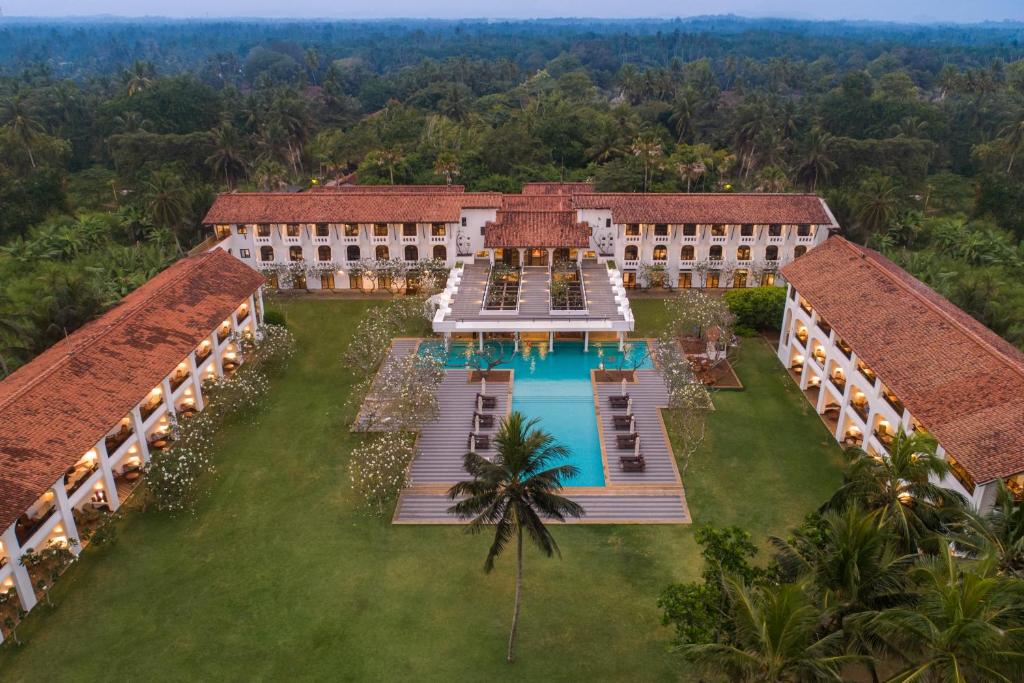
[884,10]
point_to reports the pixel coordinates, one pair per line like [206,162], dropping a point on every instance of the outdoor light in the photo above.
[99,486]
[58,529]
[155,392]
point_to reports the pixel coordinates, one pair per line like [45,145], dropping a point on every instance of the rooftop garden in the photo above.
[567,287]
[502,288]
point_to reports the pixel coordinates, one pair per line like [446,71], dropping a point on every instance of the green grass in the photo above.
[278,577]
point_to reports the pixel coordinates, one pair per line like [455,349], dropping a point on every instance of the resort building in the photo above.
[80,421]
[875,350]
[330,238]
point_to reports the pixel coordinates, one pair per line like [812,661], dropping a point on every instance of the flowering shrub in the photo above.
[404,394]
[173,476]
[379,469]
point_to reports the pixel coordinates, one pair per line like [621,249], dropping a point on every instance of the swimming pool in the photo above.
[555,387]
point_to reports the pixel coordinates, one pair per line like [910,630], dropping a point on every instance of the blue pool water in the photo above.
[555,387]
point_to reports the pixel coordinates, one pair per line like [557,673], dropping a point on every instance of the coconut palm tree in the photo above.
[227,159]
[999,534]
[13,332]
[816,163]
[876,203]
[167,201]
[514,493]
[1013,136]
[138,77]
[777,638]
[857,567]
[648,151]
[19,124]
[899,485]
[965,626]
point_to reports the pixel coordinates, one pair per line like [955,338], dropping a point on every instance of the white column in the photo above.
[22,580]
[259,293]
[140,433]
[108,476]
[586,341]
[197,381]
[67,517]
[217,361]
[165,387]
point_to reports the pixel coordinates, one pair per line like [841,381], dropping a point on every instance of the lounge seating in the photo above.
[622,422]
[625,441]
[483,442]
[619,402]
[633,463]
[484,420]
[485,402]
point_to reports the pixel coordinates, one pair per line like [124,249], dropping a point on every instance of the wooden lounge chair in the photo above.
[486,420]
[622,422]
[625,441]
[633,464]
[485,402]
[619,402]
[483,441]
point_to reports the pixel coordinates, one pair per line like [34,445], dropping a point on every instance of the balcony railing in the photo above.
[844,347]
[884,438]
[149,409]
[177,380]
[838,382]
[861,409]
[27,526]
[81,475]
[894,402]
[114,441]
[867,372]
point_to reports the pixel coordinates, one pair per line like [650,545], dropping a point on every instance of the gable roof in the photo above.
[346,207]
[56,407]
[729,208]
[963,382]
[536,229]
[550,188]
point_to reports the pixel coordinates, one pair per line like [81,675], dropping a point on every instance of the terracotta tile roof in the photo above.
[389,189]
[549,188]
[963,382]
[345,207]
[536,229]
[708,208]
[58,406]
[536,202]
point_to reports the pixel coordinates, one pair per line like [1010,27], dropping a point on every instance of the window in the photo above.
[747,230]
[712,279]
[481,230]
[440,252]
[661,230]
[243,253]
[771,253]
[743,253]
[685,279]
[266,253]
[240,230]
[438,230]
[295,253]
[799,251]
[607,222]
[631,253]
[327,281]
[774,230]
[352,253]
[263,230]
[767,279]
[355,280]
[739,279]
[292,229]
[382,253]
[633,229]
[629,279]
[715,253]
[412,253]
[380,229]
[718,231]
[351,230]
[803,231]
[323,253]
[408,229]
[686,253]
[689,230]
[463,221]
[323,230]
[660,252]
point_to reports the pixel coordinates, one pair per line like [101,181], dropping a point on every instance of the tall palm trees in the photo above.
[876,203]
[514,493]
[227,159]
[816,163]
[899,486]
[648,151]
[167,200]
[998,535]
[19,124]
[1013,136]
[138,77]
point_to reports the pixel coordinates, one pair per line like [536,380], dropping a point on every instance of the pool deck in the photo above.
[654,496]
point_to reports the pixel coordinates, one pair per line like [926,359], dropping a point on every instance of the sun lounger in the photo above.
[485,402]
[633,464]
[622,422]
[483,441]
[627,440]
[619,402]
[486,420]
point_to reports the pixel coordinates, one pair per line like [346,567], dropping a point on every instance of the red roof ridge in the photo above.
[91,332]
[867,255]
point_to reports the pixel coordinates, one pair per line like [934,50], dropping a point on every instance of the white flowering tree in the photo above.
[404,394]
[379,469]
[689,401]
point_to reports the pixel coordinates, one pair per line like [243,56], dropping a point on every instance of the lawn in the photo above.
[278,576]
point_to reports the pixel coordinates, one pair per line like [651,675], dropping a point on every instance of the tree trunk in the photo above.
[519,588]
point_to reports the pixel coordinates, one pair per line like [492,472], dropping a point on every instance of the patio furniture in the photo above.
[483,420]
[622,422]
[485,402]
[619,402]
[132,475]
[633,463]
[831,409]
[483,442]
[625,441]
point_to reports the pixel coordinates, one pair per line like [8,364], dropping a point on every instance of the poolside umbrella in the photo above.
[636,448]
[623,392]
[483,386]
[629,407]
[476,424]
[632,425]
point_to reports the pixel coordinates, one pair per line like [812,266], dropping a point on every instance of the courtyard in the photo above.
[278,576]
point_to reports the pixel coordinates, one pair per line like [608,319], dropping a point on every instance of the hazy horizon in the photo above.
[912,11]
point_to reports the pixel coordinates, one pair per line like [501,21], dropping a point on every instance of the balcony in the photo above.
[292,239]
[819,356]
[223,333]
[438,239]
[844,348]
[632,238]
[884,438]
[114,441]
[839,382]
[410,239]
[689,238]
[719,239]
[27,526]
[75,476]
[867,372]
[862,408]
[350,239]
[177,379]
[893,402]
[380,239]
[775,239]
[801,336]
[203,352]
[632,263]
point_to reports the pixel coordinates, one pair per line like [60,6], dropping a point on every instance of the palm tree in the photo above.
[999,534]
[167,200]
[876,203]
[966,626]
[131,122]
[816,163]
[777,638]
[899,485]
[19,124]
[389,159]
[13,332]
[648,152]
[448,166]
[227,157]
[514,493]
[138,77]
[857,567]
[1013,136]
[681,117]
